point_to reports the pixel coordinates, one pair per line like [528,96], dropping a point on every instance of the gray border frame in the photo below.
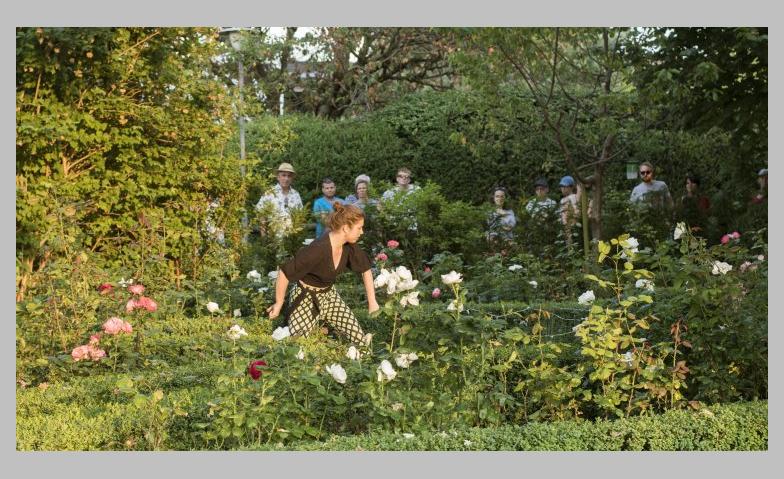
[408,13]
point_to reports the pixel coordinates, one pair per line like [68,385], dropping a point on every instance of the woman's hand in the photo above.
[373,307]
[274,310]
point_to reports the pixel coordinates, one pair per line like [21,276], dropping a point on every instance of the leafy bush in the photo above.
[742,426]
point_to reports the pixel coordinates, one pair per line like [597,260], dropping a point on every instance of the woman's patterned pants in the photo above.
[329,307]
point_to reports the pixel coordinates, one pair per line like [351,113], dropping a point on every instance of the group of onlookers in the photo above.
[693,207]
[283,198]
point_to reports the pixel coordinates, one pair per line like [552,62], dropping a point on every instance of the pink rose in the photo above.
[113,326]
[436,293]
[126,327]
[392,244]
[95,353]
[87,352]
[136,288]
[95,339]
[725,239]
[735,235]
[80,352]
[382,257]
[131,305]
[147,303]
[427,269]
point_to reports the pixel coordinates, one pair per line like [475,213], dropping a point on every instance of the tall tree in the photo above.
[340,71]
[709,77]
[576,80]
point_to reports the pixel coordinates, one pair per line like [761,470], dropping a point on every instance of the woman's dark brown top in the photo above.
[314,266]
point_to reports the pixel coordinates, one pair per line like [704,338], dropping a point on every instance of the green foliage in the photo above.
[721,428]
[119,140]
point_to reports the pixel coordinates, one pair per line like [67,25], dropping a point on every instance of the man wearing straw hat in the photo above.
[282,198]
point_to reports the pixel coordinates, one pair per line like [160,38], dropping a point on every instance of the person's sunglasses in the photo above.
[645,173]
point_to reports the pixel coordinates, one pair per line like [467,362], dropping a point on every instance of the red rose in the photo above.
[253,370]
[105,288]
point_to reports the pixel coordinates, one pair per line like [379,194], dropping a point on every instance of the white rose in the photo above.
[397,406]
[405,360]
[392,283]
[410,299]
[254,276]
[631,245]
[213,307]
[352,353]
[403,273]
[515,267]
[644,284]
[680,230]
[587,297]
[381,279]
[405,285]
[300,354]
[454,307]
[452,278]
[263,289]
[281,333]
[533,283]
[236,332]
[337,372]
[385,371]
[307,241]
[408,435]
[237,313]
[720,267]
[273,274]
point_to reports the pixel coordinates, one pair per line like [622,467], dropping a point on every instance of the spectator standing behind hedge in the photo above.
[283,198]
[651,191]
[569,209]
[314,270]
[541,208]
[360,196]
[324,205]
[762,194]
[403,185]
[693,207]
[501,222]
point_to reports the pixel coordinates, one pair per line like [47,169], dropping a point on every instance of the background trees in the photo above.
[125,135]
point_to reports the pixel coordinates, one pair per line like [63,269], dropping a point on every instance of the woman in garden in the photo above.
[314,270]
[501,222]
[360,197]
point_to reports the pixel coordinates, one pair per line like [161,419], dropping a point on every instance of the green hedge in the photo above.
[740,426]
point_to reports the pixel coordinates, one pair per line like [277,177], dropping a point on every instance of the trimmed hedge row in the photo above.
[739,426]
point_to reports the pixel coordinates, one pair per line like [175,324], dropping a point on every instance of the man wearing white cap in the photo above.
[282,198]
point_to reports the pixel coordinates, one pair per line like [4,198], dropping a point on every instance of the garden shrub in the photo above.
[741,426]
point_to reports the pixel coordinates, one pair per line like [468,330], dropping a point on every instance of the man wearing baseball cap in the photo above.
[282,199]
